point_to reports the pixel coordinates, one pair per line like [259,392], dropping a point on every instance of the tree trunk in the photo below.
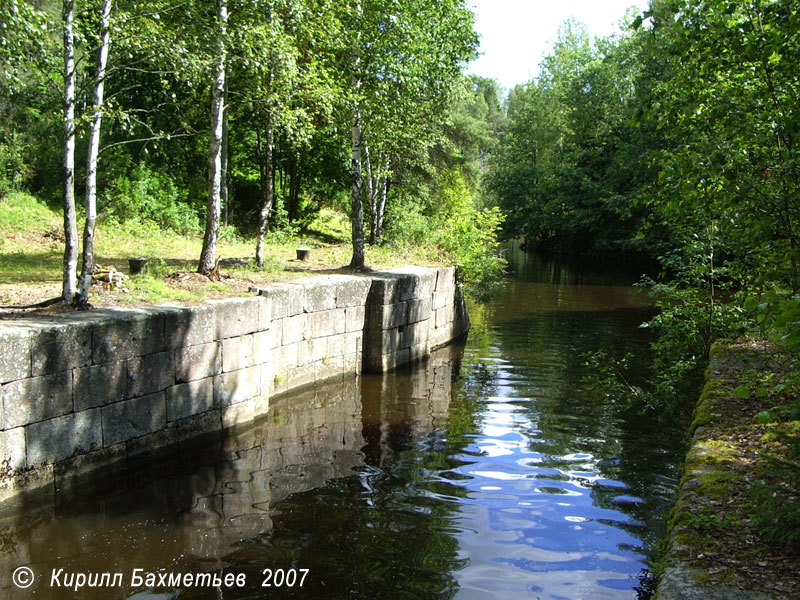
[87,268]
[70,270]
[292,210]
[371,195]
[224,191]
[209,252]
[356,181]
[267,190]
[382,207]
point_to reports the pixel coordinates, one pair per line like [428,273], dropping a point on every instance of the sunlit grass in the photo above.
[32,247]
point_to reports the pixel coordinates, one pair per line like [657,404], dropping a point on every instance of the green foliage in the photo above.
[149,197]
[775,500]
[452,223]
[15,173]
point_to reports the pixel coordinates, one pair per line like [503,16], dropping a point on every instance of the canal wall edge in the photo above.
[679,579]
[81,392]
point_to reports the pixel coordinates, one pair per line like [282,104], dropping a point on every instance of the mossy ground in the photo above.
[713,526]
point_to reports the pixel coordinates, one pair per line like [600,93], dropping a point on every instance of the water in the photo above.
[484,473]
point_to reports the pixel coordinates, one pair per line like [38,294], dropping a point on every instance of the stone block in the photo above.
[442,300]
[287,357]
[352,292]
[325,323]
[355,318]
[197,362]
[419,310]
[236,316]
[390,288]
[60,347]
[104,460]
[311,350]
[287,299]
[444,316]
[302,376]
[441,336]
[425,281]
[60,438]
[99,385]
[134,418]
[320,294]
[295,329]
[446,280]
[280,383]
[355,342]
[189,399]
[12,448]
[236,414]
[150,373]
[237,386]
[126,334]
[264,313]
[337,345]
[36,399]
[15,359]
[188,325]
[237,353]
[266,379]
[387,316]
[414,334]
[262,347]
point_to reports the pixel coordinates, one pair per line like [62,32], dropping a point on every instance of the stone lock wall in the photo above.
[85,390]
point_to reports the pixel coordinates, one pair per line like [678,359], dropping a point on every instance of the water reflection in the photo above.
[565,494]
[189,510]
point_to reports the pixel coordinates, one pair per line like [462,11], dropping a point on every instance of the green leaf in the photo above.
[741,392]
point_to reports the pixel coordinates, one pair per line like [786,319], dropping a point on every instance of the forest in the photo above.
[249,117]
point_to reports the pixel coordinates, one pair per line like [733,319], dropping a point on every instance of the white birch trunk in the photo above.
[209,252]
[70,269]
[87,269]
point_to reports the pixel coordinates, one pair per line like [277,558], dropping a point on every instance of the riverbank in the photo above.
[733,531]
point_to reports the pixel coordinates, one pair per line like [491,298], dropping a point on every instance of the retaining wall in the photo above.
[83,391]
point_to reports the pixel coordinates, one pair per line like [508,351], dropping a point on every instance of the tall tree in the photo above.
[208,253]
[404,61]
[87,269]
[70,269]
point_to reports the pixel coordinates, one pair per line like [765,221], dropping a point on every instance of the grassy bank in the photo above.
[32,246]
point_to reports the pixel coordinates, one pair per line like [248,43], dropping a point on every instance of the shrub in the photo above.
[149,196]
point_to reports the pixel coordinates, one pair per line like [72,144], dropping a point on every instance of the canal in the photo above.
[484,472]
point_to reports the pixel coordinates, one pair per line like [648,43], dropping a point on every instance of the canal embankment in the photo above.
[86,391]
[738,455]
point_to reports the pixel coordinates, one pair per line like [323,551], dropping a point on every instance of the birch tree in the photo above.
[70,265]
[209,251]
[404,59]
[87,269]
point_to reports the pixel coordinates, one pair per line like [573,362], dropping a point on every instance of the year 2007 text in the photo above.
[284,578]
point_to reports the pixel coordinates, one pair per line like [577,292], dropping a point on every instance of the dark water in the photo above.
[483,473]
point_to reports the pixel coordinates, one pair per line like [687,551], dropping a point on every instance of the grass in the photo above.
[32,247]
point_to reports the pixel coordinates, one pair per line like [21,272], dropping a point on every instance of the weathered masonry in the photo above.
[82,391]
